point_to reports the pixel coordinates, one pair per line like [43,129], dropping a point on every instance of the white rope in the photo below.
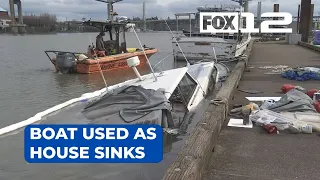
[215,55]
[188,64]
[155,77]
[95,58]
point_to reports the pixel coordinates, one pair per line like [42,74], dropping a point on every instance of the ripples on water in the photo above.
[30,85]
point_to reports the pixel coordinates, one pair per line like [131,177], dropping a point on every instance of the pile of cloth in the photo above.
[294,111]
[302,74]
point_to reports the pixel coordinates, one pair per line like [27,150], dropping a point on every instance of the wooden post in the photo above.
[276,8]
[298,20]
[259,16]
[305,20]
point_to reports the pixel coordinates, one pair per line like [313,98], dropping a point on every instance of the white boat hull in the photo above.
[199,48]
[242,46]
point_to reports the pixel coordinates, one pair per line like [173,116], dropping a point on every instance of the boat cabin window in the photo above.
[185,89]
[114,40]
[116,43]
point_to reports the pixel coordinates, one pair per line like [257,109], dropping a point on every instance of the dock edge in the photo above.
[309,46]
[194,157]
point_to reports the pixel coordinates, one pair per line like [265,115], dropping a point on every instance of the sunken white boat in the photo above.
[164,98]
[199,46]
[176,92]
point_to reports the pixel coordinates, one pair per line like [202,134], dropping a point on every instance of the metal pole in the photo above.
[177,23]
[144,17]
[109,13]
[190,24]
[259,16]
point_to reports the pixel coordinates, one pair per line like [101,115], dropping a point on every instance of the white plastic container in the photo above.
[133,61]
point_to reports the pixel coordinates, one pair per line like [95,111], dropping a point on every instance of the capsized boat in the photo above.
[93,60]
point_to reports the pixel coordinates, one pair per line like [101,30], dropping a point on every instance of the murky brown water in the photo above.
[29,85]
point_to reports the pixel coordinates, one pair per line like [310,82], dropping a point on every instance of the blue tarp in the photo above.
[316,38]
[302,74]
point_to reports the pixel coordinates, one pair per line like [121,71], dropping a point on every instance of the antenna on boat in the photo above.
[188,64]
[95,58]
[155,77]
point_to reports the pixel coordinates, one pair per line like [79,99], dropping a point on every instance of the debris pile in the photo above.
[297,111]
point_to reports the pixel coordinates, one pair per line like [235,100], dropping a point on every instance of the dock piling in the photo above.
[304,27]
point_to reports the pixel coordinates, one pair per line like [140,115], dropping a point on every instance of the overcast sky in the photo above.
[77,9]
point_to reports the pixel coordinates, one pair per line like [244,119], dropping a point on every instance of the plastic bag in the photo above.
[265,116]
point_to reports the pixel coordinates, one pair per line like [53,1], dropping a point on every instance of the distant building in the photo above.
[4,19]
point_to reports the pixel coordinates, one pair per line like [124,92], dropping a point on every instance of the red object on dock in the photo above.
[317,106]
[287,87]
[311,92]
[271,129]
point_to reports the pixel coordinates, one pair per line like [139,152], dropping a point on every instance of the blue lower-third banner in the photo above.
[93,143]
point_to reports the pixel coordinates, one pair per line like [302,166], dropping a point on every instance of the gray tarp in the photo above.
[293,101]
[131,105]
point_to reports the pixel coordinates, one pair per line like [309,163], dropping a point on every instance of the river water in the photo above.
[29,85]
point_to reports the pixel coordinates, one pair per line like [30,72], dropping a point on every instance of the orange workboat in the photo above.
[92,61]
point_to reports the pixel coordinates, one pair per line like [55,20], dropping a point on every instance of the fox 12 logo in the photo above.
[228,22]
